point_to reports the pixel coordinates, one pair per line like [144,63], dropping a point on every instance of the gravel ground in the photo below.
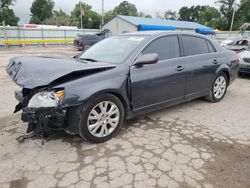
[196,144]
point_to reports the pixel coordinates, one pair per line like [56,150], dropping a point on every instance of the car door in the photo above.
[163,82]
[202,62]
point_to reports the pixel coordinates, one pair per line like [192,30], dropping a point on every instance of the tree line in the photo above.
[42,12]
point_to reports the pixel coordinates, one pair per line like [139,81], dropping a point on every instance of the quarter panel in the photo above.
[201,72]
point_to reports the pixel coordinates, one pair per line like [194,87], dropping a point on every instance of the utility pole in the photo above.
[81,12]
[102,12]
[232,21]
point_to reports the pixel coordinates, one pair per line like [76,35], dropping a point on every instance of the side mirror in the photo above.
[147,59]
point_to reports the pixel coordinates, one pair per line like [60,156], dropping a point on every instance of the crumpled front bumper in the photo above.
[45,118]
[50,118]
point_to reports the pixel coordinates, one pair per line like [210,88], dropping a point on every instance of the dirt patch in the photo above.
[231,165]
[20,183]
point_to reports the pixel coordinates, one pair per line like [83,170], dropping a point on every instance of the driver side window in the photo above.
[166,47]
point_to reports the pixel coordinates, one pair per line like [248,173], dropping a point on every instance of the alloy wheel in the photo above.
[220,86]
[103,119]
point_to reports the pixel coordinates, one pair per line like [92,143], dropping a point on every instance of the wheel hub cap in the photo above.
[103,119]
[219,87]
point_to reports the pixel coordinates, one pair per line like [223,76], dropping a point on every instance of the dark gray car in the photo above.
[119,78]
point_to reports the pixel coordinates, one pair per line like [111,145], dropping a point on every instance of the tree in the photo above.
[243,14]
[142,14]
[226,9]
[148,16]
[185,14]
[108,15]
[6,3]
[205,15]
[170,15]
[6,14]
[41,10]
[59,18]
[90,19]
[126,8]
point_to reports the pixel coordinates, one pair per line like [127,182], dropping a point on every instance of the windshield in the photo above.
[113,50]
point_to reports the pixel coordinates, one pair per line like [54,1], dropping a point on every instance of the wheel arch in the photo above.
[123,101]
[119,95]
[73,120]
[226,71]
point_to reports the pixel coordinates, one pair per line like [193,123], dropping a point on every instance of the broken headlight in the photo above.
[46,99]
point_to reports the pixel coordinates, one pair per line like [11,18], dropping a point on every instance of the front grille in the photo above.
[246,60]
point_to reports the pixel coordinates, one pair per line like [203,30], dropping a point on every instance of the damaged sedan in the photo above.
[119,78]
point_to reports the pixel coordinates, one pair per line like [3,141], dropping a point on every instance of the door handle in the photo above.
[215,61]
[179,68]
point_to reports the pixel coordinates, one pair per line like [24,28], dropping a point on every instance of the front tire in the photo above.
[219,88]
[101,118]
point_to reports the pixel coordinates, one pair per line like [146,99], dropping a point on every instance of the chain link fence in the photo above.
[60,35]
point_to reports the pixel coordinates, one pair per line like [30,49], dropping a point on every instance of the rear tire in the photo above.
[218,89]
[101,118]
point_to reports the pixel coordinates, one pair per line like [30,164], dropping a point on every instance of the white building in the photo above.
[122,24]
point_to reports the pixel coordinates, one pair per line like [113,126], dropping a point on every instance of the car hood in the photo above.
[235,48]
[32,72]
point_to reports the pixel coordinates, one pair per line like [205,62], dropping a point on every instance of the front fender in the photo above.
[84,89]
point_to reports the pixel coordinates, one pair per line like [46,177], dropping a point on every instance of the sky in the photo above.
[22,7]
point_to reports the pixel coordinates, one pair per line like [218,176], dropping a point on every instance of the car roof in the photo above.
[161,32]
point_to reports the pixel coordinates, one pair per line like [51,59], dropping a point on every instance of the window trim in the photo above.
[209,42]
[156,38]
[184,55]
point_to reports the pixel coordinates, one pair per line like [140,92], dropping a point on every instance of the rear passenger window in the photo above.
[166,47]
[194,45]
[210,47]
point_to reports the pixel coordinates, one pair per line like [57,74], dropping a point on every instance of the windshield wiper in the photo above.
[88,59]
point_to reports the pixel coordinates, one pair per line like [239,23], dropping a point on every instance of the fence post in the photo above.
[5,34]
[23,34]
[18,33]
[42,36]
[65,37]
